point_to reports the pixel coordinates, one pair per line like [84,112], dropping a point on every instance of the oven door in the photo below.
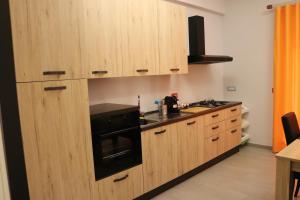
[117,151]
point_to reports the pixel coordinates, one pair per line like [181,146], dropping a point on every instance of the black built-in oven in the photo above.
[116,137]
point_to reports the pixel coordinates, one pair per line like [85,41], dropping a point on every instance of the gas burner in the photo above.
[209,103]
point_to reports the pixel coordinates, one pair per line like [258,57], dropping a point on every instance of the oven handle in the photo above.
[121,179]
[116,155]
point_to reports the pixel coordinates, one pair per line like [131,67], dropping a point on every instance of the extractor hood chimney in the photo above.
[197,44]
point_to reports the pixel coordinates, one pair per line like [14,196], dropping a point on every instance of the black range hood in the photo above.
[197,44]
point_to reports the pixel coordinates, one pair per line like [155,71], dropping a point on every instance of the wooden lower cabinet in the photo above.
[159,147]
[56,138]
[211,147]
[125,185]
[190,144]
[232,138]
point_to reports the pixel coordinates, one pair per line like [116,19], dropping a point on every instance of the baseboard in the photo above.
[180,179]
[260,146]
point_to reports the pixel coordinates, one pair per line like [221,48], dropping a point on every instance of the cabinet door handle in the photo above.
[160,132]
[233,110]
[55,88]
[215,127]
[233,131]
[100,72]
[47,73]
[142,70]
[234,120]
[214,116]
[191,123]
[216,139]
[121,179]
[174,69]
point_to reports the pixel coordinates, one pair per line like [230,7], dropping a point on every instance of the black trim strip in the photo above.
[180,179]
[12,138]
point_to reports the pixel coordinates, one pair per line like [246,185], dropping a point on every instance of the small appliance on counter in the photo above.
[116,137]
[172,104]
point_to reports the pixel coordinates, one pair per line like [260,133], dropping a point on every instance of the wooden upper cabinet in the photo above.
[160,156]
[56,136]
[105,35]
[46,39]
[142,54]
[190,144]
[172,19]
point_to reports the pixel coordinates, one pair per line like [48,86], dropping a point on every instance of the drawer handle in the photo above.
[233,110]
[216,139]
[215,127]
[174,69]
[142,70]
[46,73]
[100,72]
[160,132]
[191,123]
[121,179]
[233,131]
[55,88]
[234,120]
[214,116]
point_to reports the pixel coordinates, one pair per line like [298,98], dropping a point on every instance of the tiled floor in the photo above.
[247,175]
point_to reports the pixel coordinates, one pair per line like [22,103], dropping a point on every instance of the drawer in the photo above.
[233,111]
[214,129]
[233,122]
[214,117]
[122,186]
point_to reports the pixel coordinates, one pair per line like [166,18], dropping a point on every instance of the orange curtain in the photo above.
[286,69]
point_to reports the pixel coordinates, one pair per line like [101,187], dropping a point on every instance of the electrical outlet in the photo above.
[231,88]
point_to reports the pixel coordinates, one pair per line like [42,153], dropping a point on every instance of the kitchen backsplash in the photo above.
[202,82]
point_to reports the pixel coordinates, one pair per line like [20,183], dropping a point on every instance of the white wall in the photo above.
[248,29]
[4,192]
[201,82]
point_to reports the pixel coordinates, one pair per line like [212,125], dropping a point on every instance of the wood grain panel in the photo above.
[233,122]
[46,37]
[105,37]
[4,188]
[190,144]
[211,147]
[172,38]
[142,39]
[214,129]
[214,117]
[230,139]
[125,185]
[233,111]
[57,139]
[160,155]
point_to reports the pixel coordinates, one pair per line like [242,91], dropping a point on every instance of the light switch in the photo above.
[231,88]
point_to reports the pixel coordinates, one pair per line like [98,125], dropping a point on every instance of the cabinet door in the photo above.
[190,144]
[232,138]
[46,38]
[142,40]
[172,38]
[122,186]
[159,156]
[57,139]
[105,33]
[211,147]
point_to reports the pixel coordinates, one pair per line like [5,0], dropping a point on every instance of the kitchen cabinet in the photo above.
[159,148]
[142,54]
[232,138]
[122,186]
[212,146]
[190,144]
[105,35]
[56,139]
[46,39]
[172,28]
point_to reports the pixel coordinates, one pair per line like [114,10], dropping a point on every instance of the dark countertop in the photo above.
[176,117]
